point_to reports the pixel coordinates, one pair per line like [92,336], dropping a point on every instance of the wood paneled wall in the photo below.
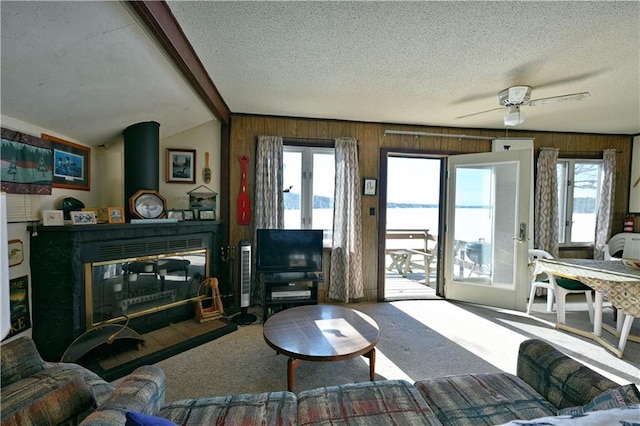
[370,136]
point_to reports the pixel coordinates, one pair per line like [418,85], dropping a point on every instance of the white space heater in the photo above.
[244,317]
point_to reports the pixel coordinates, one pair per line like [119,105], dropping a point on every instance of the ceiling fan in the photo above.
[515,97]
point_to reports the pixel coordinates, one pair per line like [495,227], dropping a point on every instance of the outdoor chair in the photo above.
[540,280]
[620,243]
[558,287]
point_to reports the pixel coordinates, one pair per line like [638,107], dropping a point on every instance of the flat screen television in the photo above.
[289,250]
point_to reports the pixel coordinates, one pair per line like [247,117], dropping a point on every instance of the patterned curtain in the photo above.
[345,278]
[546,202]
[604,217]
[269,198]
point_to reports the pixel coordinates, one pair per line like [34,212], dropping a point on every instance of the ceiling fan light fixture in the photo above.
[516,95]
[514,116]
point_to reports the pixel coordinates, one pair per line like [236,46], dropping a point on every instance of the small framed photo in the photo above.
[115,214]
[175,214]
[370,186]
[181,165]
[207,214]
[53,218]
[99,213]
[188,215]
[83,218]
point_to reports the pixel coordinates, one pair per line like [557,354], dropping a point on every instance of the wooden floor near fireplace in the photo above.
[113,362]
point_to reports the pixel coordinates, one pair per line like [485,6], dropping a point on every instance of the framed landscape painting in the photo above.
[181,165]
[71,164]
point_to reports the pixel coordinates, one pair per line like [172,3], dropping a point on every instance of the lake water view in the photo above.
[469,221]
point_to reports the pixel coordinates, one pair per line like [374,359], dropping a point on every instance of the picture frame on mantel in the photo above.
[53,218]
[83,218]
[115,214]
[71,164]
[181,165]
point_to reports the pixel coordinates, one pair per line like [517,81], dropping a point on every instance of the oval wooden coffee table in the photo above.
[322,333]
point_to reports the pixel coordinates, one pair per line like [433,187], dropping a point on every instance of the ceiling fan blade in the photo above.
[478,113]
[569,79]
[555,99]
[527,73]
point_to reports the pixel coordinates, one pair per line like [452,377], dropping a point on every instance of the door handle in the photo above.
[522,233]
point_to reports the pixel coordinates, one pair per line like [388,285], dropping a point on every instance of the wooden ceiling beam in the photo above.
[160,21]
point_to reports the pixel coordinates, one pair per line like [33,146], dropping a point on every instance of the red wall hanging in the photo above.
[244,203]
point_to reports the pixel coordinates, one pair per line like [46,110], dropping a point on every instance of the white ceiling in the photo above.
[88,69]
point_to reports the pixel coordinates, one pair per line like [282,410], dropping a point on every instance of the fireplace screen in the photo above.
[134,287]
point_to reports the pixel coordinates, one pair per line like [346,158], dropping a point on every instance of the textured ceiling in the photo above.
[423,62]
[88,69]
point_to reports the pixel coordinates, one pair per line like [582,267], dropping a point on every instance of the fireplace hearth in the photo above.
[94,275]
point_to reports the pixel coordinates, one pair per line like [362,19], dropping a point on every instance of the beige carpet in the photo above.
[418,339]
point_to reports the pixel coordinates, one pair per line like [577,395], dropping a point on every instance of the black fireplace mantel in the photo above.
[58,258]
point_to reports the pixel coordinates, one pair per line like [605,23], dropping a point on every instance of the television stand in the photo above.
[287,289]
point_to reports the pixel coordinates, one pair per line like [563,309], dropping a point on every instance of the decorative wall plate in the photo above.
[147,204]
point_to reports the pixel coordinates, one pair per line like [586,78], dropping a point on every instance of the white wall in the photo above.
[107,178]
[18,230]
[204,138]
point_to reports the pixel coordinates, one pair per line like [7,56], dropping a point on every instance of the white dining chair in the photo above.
[559,288]
[540,280]
[623,242]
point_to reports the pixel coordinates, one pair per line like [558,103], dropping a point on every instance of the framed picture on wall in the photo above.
[181,165]
[71,164]
[370,186]
[16,252]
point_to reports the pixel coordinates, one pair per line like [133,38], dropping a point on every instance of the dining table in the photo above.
[612,280]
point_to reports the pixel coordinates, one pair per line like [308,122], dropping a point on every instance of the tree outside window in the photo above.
[579,183]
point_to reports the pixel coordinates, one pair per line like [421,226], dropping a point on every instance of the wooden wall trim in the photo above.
[157,16]
[371,142]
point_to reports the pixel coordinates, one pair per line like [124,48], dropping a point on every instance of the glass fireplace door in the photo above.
[134,287]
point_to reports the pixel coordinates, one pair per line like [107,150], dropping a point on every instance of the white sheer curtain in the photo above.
[269,198]
[546,202]
[346,282]
[604,216]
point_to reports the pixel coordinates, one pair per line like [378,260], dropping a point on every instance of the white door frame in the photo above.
[506,295]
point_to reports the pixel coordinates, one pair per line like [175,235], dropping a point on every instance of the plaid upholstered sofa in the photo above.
[546,383]
[35,392]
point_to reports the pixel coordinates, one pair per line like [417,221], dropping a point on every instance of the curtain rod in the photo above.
[583,154]
[447,135]
[324,140]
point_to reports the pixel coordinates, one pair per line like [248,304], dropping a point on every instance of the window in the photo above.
[579,184]
[309,180]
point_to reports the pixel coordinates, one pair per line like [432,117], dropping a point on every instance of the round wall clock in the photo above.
[147,204]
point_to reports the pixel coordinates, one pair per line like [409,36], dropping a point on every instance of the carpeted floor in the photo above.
[418,339]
